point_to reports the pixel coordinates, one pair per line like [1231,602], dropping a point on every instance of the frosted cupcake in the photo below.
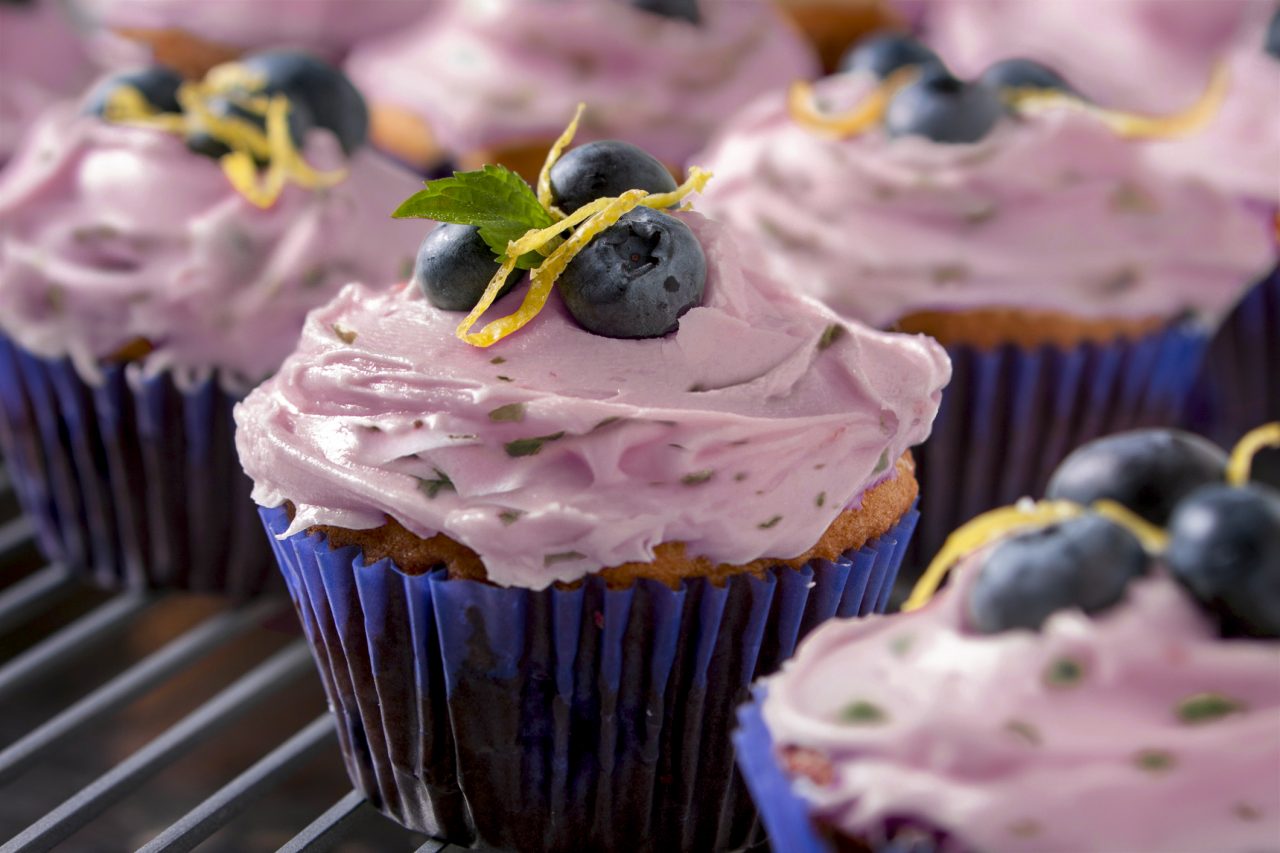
[491,81]
[195,35]
[1073,284]
[1066,691]
[583,525]
[145,287]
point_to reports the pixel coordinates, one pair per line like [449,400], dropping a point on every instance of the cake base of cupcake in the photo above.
[133,481]
[578,718]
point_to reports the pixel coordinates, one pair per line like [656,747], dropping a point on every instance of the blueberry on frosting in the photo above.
[307,82]
[157,86]
[1020,73]
[886,53]
[454,266]
[943,108]
[682,10]
[1272,44]
[605,168]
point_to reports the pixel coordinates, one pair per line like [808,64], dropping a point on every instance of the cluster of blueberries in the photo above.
[1223,540]
[319,96]
[633,280]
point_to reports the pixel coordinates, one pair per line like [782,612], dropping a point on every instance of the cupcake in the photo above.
[1239,153]
[1074,285]
[833,25]
[41,60]
[540,560]
[195,35]
[1068,690]
[491,82]
[148,280]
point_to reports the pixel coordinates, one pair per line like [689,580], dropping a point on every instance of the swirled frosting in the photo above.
[1049,212]
[1095,734]
[328,27]
[488,73]
[1145,55]
[557,452]
[41,61]
[1240,151]
[110,234]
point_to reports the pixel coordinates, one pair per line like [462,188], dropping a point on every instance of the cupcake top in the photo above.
[487,73]
[1145,55]
[41,60]
[117,240]
[1066,691]
[1045,209]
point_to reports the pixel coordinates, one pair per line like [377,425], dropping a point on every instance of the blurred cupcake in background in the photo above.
[192,36]
[1087,680]
[1074,285]
[490,81]
[42,60]
[159,249]
[540,561]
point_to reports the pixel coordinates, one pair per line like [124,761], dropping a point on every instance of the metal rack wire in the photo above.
[160,650]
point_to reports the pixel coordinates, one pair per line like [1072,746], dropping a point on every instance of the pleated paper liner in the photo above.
[1010,415]
[1239,387]
[133,481]
[786,815]
[565,719]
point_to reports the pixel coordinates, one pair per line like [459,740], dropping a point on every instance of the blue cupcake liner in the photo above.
[785,814]
[1010,415]
[134,482]
[572,719]
[1239,385]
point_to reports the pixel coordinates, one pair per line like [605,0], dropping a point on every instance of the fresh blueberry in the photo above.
[454,266]
[201,141]
[683,10]
[1024,74]
[604,169]
[1147,471]
[327,94]
[943,108]
[159,85]
[1224,545]
[1085,562]
[885,53]
[1272,45]
[636,279]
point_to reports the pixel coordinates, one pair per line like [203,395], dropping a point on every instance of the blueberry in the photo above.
[943,108]
[1024,74]
[159,85]
[454,266]
[323,90]
[1147,471]
[603,169]
[1272,44]
[885,53]
[1085,562]
[202,142]
[1224,545]
[683,10]
[636,279]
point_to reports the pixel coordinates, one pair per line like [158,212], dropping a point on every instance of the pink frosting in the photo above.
[111,233]
[381,402]
[976,740]
[1049,212]
[329,27]
[1240,151]
[493,72]
[41,61]
[1152,55]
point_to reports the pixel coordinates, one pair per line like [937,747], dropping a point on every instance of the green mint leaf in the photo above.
[433,486]
[530,446]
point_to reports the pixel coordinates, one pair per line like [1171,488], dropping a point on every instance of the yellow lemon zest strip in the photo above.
[1154,540]
[490,295]
[232,76]
[284,163]
[537,238]
[544,276]
[695,183]
[238,133]
[1133,125]
[1238,467]
[557,148]
[804,109]
[984,529]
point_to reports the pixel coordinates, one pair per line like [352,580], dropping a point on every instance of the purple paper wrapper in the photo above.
[563,719]
[1010,415]
[786,815]
[1239,387]
[133,481]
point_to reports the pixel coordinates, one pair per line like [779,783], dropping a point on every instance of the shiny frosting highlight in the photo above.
[1049,212]
[1075,738]
[556,452]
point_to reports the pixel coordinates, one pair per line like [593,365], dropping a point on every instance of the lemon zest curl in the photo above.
[1256,440]
[803,106]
